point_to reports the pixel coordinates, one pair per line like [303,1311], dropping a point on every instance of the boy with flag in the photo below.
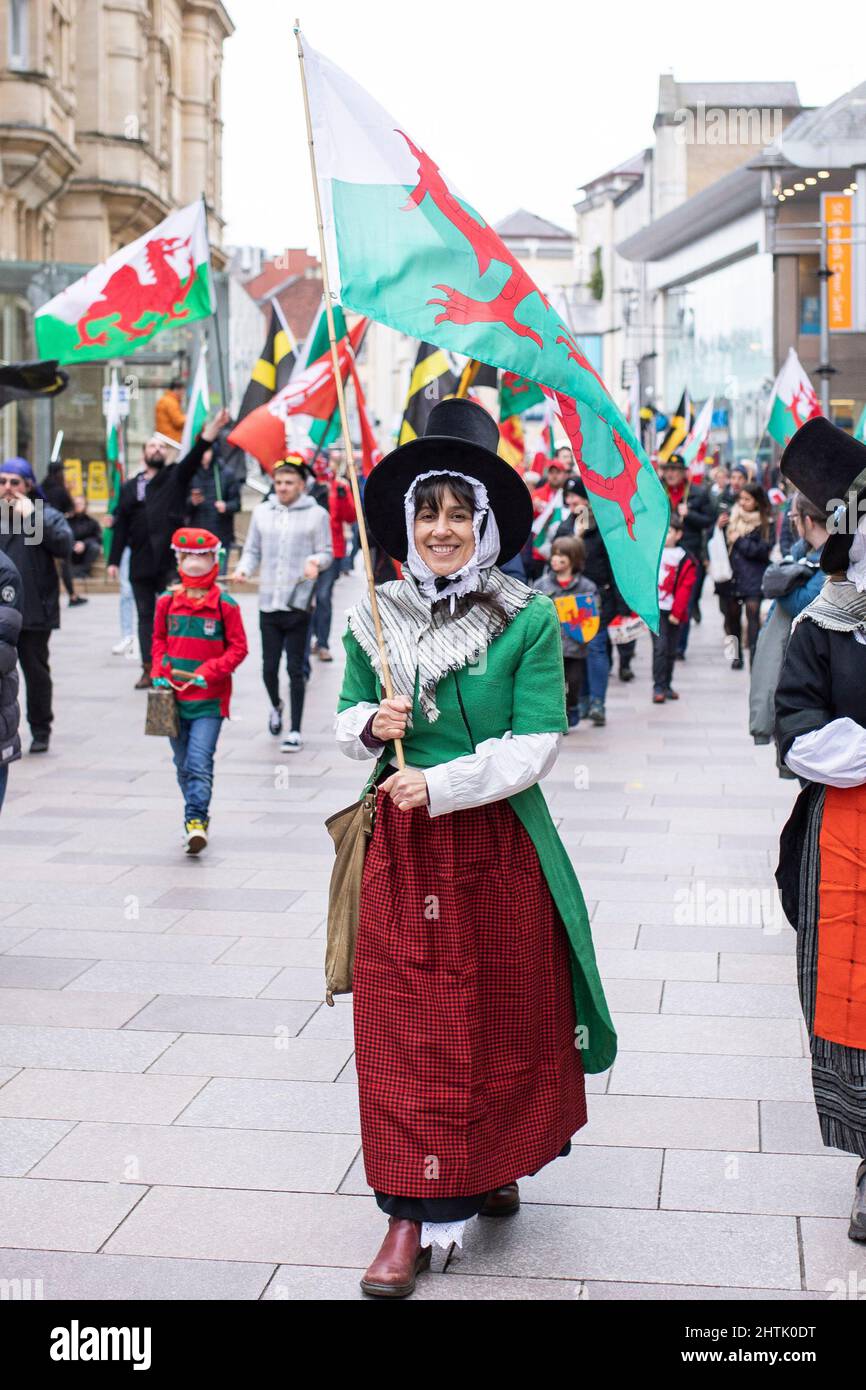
[198,641]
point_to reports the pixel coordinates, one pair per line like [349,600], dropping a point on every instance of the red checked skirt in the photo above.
[468,1073]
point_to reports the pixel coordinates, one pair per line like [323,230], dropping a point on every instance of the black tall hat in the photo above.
[460,436]
[829,467]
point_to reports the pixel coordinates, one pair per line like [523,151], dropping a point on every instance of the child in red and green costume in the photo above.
[198,640]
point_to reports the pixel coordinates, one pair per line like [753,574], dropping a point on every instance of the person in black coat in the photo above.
[10,629]
[214,500]
[150,508]
[692,503]
[32,535]
[747,532]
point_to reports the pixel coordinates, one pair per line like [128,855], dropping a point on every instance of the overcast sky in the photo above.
[519,103]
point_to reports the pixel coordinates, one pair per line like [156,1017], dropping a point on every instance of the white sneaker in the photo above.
[292,743]
[134,653]
[275,719]
[122,647]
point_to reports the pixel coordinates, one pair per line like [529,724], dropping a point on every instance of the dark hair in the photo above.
[431,492]
[572,548]
[175,384]
[755,490]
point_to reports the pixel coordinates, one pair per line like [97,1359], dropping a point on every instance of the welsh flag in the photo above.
[310,391]
[860,427]
[406,249]
[512,444]
[694,450]
[161,279]
[793,401]
[198,405]
[516,395]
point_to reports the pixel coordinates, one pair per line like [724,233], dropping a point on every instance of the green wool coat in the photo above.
[521,687]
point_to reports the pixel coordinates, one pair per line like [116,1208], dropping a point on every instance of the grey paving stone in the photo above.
[80,1049]
[773,1037]
[228,900]
[834,1264]
[123,945]
[68,1095]
[280,1056]
[276,951]
[69,1008]
[744,1000]
[72,1216]
[655,1122]
[188,1156]
[761,1183]
[11,936]
[297,982]
[209,923]
[742,968]
[201,1014]
[666,1247]
[24,1141]
[724,1077]
[39,972]
[742,940]
[633,996]
[312,1106]
[63,1275]
[113,917]
[153,977]
[791,1126]
[657,965]
[232,1224]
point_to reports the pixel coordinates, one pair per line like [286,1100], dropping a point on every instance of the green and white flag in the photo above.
[198,405]
[860,427]
[793,401]
[161,279]
[405,248]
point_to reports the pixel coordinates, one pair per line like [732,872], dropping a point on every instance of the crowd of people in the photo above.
[469,558]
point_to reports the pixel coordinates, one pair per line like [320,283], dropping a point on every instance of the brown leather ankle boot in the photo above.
[400,1258]
[504,1201]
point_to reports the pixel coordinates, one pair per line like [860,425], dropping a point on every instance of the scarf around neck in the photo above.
[840,607]
[424,638]
[741,524]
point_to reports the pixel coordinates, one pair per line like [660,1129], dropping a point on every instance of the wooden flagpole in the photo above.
[341,404]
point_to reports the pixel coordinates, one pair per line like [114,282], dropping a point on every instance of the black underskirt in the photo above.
[440,1208]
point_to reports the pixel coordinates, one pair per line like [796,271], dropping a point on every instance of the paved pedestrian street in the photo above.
[178,1110]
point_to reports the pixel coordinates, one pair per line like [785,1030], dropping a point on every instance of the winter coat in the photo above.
[750,556]
[10,627]
[205,513]
[40,604]
[580,585]
[169,419]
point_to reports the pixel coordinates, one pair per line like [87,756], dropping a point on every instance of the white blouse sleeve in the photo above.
[348,727]
[499,767]
[834,754]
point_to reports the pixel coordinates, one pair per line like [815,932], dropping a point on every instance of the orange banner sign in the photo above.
[836,214]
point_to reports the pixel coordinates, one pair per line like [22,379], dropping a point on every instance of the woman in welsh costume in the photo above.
[821,730]
[477,1002]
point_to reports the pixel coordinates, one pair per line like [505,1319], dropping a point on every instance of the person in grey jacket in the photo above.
[289,541]
[10,630]
[32,536]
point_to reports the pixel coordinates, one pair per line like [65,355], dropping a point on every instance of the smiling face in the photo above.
[443,530]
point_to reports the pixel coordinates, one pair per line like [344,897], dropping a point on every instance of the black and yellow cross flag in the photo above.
[269,375]
[274,367]
[431,381]
[679,428]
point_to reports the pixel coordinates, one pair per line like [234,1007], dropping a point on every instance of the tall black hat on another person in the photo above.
[829,467]
[460,436]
